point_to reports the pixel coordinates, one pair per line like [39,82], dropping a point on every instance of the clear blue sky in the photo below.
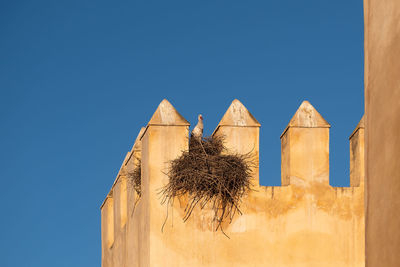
[79,78]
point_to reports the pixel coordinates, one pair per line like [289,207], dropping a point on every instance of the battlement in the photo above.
[303,222]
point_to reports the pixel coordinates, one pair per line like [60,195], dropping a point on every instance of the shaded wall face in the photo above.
[382,102]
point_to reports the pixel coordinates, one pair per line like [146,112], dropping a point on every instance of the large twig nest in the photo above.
[208,176]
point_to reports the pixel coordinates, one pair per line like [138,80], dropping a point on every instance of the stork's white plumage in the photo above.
[197,131]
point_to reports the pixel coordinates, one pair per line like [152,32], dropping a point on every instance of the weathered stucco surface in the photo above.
[305,222]
[382,109]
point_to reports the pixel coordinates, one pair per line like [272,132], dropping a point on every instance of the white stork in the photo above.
[197,131]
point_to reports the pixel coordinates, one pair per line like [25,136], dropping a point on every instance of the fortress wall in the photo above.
[305,222]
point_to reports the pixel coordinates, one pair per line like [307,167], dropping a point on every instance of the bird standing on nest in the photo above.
[197,131]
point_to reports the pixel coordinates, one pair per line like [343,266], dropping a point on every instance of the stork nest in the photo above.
[135,179]
[209,178]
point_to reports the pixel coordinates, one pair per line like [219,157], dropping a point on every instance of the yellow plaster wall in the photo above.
[304,223]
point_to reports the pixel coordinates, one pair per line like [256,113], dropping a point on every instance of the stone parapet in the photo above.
[304,222]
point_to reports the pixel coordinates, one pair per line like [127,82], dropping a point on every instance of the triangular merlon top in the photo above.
[121,172]
[238,115]
[166,114]
[307,116]
[360,125]
[137,146]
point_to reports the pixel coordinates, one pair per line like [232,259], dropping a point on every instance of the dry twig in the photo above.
[135,179]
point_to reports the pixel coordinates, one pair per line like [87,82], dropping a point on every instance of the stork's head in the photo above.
[200,117]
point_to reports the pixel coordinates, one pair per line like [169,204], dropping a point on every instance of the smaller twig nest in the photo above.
[135,179]
[208,176]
